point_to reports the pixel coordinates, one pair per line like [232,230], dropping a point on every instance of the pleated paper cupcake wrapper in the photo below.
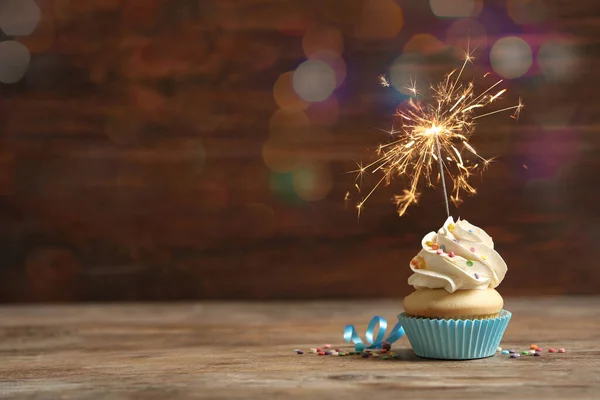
[450,339]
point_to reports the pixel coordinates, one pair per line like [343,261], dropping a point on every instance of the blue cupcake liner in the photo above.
[449,339]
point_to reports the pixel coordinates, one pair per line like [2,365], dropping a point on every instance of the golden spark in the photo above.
[383,81]
[435,133]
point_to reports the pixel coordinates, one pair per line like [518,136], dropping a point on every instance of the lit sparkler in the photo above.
[435,133]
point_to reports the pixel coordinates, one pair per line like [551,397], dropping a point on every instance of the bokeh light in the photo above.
[456,8]
[44,35]
[295,23]
[466,31]
[19,17]
[312,182]
[379,19]
[284,94]
[526,12]
[322,38]
[557,60]
[281,184]
[511,57]
[334,61]
[314,80]
[14,60]
[423,43]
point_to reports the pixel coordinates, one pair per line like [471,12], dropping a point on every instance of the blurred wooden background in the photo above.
[155,149]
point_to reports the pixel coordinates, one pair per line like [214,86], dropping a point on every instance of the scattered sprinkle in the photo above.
[439,251]
[335,353]
[386,346]
[472,249]
[429,243]
[327,353]
[382,351]
[451,254]
[321,353]
[499,349]
[299,351]
[386,357]
[531,352]
[505,352]
[375,355]
[524,352]
[319,349]
[313,350]
[326,346]
[515,355]
[533,346]
[511,351]
[484,257]
[537,354]
[435,246]
[365,355]
[443,247]
[551,350]
[561,350]
[414,262]
[450,227]
[395,355]
[469,263]
[476,275]
[351,353]
[470,231]
[359,347]
[342,353]
[539,349]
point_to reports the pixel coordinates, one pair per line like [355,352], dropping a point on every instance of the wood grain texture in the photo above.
[244,350]
[131,163]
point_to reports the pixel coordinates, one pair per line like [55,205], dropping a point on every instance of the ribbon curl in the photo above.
[351,336]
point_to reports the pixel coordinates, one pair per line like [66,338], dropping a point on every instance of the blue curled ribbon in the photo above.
[350,334]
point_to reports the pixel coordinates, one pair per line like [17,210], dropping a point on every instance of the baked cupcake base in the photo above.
[455,339]
[462,304]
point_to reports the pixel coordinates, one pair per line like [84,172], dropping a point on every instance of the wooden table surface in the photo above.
[245,350]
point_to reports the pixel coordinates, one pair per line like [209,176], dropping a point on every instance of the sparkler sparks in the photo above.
[435,133]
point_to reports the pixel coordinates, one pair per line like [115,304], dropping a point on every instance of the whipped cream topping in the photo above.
[460,256]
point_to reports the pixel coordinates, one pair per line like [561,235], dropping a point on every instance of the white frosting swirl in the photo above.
[467,260]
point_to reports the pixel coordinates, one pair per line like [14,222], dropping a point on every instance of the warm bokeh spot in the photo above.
[511,57]
[285,95]
[322,38]
[379,19]
[423,43]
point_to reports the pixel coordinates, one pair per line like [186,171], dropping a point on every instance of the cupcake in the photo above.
[455,311]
